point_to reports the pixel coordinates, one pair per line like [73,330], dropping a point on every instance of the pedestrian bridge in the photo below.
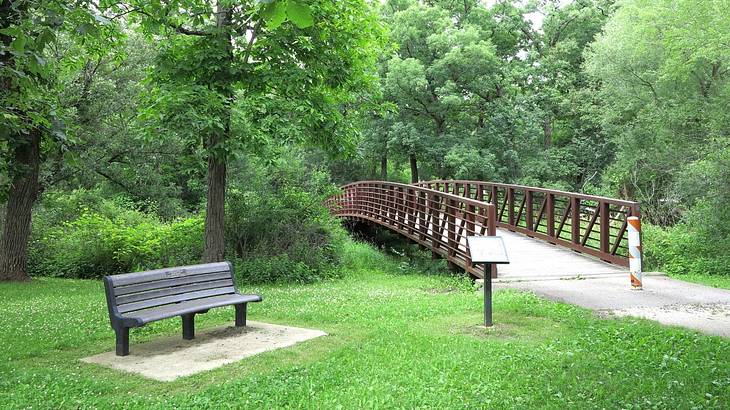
[548,233]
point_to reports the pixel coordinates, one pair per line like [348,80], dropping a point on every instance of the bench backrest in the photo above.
[130,292]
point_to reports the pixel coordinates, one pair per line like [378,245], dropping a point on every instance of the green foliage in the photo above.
[663,90]
[277,225]
[681,250]
[465,162]
[107,237]
[277,230]
[42,42]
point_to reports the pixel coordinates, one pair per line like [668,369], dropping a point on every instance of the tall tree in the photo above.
[450,71]
[30,110]
[664,84]
[573,151]
[232,73]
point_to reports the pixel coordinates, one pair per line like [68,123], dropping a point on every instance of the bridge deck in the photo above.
[535,259]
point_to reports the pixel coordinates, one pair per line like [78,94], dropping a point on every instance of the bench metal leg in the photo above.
[122,341]
[188,323]
[241,315]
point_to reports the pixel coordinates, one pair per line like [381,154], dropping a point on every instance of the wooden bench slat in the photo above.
[168,273]
[192,306]
[145,304]
[172,290]
[159,284]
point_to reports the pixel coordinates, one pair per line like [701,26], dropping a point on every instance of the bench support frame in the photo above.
[188,326]
[122,334]
[240,315]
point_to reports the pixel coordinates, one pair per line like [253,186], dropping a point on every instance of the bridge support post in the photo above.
[550,205]
[529,213]
[634,225]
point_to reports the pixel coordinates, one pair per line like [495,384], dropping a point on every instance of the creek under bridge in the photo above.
[548,233]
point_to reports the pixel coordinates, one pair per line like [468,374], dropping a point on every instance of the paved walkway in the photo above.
[666,300]
[566,276]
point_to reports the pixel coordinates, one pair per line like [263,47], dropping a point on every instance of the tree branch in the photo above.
[178,28]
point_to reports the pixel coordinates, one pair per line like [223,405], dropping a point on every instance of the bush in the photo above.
[683,250]
[277,229]
[80,235]
[277,225]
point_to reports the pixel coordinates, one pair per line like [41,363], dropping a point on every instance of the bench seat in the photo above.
[142,317]
[135,299]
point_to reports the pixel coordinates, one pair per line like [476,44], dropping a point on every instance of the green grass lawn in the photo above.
[714,281]
[396,339]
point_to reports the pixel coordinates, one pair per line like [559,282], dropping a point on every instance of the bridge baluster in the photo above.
[575,219]
[528,210]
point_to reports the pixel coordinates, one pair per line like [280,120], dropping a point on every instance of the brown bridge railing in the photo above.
[588,224]
[438,220]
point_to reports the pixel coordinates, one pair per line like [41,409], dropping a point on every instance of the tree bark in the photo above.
[384,168]
[215,210]
[215,247]
[23,193]
[547,127]
[414,168]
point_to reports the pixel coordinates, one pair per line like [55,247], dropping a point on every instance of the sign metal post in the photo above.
[487,250]
[488,295]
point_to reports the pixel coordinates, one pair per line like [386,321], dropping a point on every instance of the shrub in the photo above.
[684,250]
[277,229]
[277,225]
[94,245]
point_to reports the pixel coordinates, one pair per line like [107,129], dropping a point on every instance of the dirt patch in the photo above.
[172,357]
[711,318]
[498,331]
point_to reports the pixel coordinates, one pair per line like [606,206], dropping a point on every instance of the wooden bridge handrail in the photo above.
[586,197]
[422,189]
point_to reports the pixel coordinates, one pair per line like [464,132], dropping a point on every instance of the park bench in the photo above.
[135,299]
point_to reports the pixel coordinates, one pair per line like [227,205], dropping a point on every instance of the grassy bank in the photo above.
[715,281]
[396,339]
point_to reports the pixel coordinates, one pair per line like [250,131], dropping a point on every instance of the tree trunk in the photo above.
[215,210]
[384,168]
[547,127]
[215,247]
[23,193]
[414,168]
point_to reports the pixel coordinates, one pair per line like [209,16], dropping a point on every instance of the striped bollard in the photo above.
[634,229]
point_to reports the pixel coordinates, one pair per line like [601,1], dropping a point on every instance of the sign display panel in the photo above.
[487,249]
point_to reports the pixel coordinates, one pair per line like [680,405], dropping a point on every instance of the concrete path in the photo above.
[566,276]
[666,300]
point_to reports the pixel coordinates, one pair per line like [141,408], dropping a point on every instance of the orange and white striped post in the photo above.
[634,230]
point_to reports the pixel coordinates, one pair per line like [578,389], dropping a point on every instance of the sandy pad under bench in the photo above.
[172,357]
